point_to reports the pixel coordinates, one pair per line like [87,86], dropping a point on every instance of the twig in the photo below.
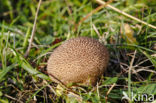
[44,81]
[129,74]
[109,91]
[94,27]
[91,13]
[33,30]
[13,98]
[146,69]
[97,88]
[125,14]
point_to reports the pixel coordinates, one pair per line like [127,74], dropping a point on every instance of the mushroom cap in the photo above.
[79,60]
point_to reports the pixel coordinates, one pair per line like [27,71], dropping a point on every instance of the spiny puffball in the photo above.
[79,60]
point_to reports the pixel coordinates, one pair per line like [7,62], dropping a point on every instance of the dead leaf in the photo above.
[128,34]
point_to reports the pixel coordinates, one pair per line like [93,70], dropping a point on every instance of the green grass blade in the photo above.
[25,43]
[26,66]
[6,70]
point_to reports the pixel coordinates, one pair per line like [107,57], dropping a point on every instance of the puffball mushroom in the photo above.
[79,60]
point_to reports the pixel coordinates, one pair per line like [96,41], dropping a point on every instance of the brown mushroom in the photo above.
[78,60]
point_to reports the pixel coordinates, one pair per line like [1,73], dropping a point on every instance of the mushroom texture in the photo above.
[79,60]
